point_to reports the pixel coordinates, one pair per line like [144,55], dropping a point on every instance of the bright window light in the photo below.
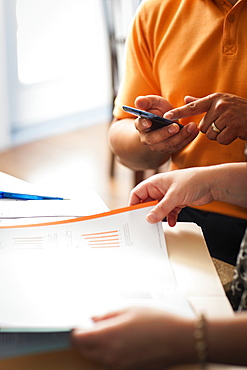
[51,42]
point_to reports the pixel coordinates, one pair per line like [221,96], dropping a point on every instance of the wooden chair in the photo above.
[118,15]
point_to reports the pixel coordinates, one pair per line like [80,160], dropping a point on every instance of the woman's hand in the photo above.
[137,338]
[192,187]
[174,190]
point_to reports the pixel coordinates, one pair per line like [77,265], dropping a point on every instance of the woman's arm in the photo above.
[227,340]
[192,187]
[146,338]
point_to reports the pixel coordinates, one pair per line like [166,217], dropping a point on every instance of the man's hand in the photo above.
[168,139]
[225,119]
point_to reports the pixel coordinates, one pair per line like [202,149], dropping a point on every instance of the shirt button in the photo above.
[231,18]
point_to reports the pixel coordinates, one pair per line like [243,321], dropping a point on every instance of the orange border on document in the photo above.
[84,218]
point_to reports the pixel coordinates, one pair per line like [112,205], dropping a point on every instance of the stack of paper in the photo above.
[57,275]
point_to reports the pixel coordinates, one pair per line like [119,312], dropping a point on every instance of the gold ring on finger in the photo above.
[215,128]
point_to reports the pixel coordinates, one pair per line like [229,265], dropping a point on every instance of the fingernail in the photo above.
[152,218]
[191,127]
[145,123]
[168,115]
[173,129]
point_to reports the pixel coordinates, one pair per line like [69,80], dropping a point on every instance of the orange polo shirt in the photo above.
[189,47]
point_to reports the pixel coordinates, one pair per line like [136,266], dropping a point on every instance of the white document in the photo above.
[12,211]
[89,203]
[58,275]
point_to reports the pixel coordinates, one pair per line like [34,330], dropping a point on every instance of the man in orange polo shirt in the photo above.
[179,48]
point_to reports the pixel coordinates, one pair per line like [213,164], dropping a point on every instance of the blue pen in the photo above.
[9,195]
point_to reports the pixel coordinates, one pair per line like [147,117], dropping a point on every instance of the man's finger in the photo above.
[191,109]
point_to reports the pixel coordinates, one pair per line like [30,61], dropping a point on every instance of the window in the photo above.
[58,64]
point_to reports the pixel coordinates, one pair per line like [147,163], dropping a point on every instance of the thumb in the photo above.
[108,315]
[161,210]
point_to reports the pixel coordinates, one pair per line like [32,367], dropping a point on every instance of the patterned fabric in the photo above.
[238,294]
